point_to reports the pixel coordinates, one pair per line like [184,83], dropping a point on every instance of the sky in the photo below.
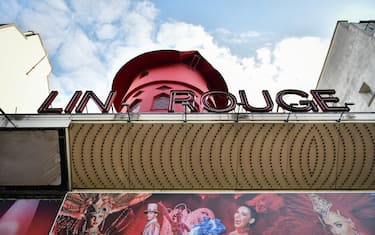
[255,45]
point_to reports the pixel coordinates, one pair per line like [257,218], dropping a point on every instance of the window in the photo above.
[161,102]
[135,106]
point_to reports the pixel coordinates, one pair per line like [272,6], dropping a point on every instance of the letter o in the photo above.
[207,105]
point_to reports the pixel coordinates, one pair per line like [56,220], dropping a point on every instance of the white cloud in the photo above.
[300,60]
[106,31]
[78,51]
[139,24]
[88,12]
[184,36]
[294,63]
[59,5]
[230,37]
[50,21]
[264,55]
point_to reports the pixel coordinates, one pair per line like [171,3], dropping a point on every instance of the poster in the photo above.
[27,216]
[214,213]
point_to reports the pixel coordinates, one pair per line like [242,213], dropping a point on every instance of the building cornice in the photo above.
[64,120]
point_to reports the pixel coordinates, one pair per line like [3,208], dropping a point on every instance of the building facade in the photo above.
[24,68]
[349,65]
[177,155]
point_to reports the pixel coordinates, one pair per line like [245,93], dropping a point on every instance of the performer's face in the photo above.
[96,219]
[151,215]
[261,206]
[340,225]
[242,217]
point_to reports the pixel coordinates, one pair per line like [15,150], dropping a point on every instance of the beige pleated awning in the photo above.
[222,156]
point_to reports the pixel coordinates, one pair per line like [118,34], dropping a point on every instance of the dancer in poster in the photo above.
[326,214]
[152,227]
[181,220]
[97,213]
[268,207]
[244,218]
[336,223]
[208,226]
[176,219]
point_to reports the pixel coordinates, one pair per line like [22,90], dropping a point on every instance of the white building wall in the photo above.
[350,63]
[24,67]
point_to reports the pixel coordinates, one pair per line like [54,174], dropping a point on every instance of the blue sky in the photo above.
[273,20]
[256,45]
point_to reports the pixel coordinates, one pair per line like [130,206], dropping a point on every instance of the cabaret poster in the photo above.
[214,214]
[27,216]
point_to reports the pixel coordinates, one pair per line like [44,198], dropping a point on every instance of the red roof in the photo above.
[134,67]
